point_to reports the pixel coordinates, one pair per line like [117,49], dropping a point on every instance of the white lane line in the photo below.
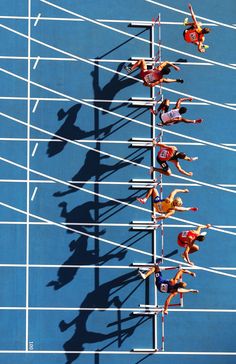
[34,150]
[107,197]
[115,244]
[34,193]
[115,72]
[37,19]
[28,178]
[146,223]
[36,62]
[136,37]
[186,13]
[119,352]
[128,161]
[35,105]
[111,309]
[100,20]
[93,266]
[113,113]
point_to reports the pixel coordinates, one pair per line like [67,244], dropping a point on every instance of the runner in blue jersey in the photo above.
[173,286]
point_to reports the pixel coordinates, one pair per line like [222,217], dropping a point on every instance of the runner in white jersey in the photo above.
[174,116]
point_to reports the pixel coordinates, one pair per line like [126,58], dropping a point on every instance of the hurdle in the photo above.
[154,311]
[148,143]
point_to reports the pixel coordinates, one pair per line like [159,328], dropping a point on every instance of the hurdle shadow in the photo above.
[103,297]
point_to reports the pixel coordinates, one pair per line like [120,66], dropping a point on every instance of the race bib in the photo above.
[149,78]
[164,287]
[184,234]
[163,153]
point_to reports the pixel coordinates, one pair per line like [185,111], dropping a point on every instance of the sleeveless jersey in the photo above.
[163,285]
[185,235]
[165,154]
[152,76]
[192,36]
[172,114]
[163,206]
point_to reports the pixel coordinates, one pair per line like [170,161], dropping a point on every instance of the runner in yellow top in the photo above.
[195,34]
[166,206]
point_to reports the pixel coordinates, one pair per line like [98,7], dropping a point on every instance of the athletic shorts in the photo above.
[180,243]
[163,164]
[157,199]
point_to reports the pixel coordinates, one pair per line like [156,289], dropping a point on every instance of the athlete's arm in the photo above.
[193,15]
[174,192]
[180,100]
[200,227]
[168,300]
[168,214]
[182,209]
[166,63]
[180,169]
[188,121]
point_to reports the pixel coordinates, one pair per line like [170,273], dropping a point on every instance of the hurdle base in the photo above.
[145,350]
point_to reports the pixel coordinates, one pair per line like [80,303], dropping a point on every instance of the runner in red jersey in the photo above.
[171,154]
[186,239]
[195,34]
[154,76]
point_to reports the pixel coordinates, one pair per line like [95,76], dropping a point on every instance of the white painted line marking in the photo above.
[35,106]
[34,193]
[111,70]
[131,162]
[34,150]
[36,62]
[110,112]
[37,19]
[186,13]
[115,244]
[136,37]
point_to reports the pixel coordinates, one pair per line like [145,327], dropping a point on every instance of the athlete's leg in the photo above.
[164,106]
[170,80]
[141,63]
[194,248]
[151,192]
[162,171]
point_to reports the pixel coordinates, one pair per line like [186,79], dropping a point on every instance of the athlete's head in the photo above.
[180,155]
[178,285]
[182,110]
[206,30]
[165,70]
[200,238]
[177,202]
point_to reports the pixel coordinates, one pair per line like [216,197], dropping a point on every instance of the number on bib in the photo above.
[164,287]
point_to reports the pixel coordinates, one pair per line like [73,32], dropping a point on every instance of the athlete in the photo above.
[187,239]
[172,286]
[167,206]
[168,153]
[195,34]
[173,116]
[155,76]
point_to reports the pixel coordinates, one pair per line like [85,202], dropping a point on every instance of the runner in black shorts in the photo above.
[172,286]
[171,154]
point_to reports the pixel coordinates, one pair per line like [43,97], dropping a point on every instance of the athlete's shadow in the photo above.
[69,131]
[92,167]
[109,91]
[103,297]
[83,214]
[81,256]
